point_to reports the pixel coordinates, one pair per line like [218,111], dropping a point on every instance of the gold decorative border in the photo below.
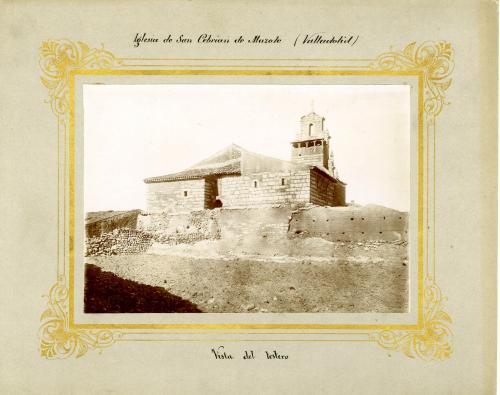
[58,58]
[61,59]
[57,339]
[433,342]
[435,60]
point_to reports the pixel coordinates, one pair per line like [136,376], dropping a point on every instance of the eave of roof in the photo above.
[193,174]
[230,165]
[325,172]
[312,138]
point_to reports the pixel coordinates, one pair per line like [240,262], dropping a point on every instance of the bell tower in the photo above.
[311,145]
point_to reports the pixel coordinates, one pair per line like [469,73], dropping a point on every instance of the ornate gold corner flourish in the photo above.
[57,339]
[434,59]
[59,57]
[433,342]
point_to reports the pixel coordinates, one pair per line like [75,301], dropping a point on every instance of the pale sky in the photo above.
[136,131]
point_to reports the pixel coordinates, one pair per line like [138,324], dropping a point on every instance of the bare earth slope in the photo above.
[360,277]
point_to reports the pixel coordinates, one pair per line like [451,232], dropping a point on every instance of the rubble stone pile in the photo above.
[119,241]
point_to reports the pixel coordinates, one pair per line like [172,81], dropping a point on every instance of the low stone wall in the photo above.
[102,222]
[181,228]
[261,231]
[119,241]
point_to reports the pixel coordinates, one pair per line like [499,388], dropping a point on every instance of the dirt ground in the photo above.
[360,277]
[105,292]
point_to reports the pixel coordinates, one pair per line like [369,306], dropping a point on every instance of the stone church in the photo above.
[237,178]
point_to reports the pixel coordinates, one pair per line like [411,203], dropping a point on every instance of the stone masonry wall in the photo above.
[255,229]
[170,228]
[233,225]
[264,189]
[170,196]
[315,155]
[119,241]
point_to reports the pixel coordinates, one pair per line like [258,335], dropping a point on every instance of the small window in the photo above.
[282,181]
[255,184]
[185,193]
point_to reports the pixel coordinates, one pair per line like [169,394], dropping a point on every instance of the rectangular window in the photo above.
[255,184]
[185,193]
[282,181]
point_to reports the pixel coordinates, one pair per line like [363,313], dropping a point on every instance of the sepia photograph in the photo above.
[218,197]
[246,198]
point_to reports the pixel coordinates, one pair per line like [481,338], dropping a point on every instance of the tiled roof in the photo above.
[191,174]
[224,162]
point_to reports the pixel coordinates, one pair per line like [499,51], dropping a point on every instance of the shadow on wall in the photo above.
[108,293]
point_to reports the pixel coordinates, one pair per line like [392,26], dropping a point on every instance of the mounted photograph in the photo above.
[249,198]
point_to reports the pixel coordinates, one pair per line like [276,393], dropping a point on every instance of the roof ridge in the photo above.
[218,153]
[223,162]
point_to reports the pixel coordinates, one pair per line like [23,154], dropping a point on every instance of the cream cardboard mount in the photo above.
[430,338]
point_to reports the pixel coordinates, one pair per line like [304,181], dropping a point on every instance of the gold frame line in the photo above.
[431,62]
[419,75]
